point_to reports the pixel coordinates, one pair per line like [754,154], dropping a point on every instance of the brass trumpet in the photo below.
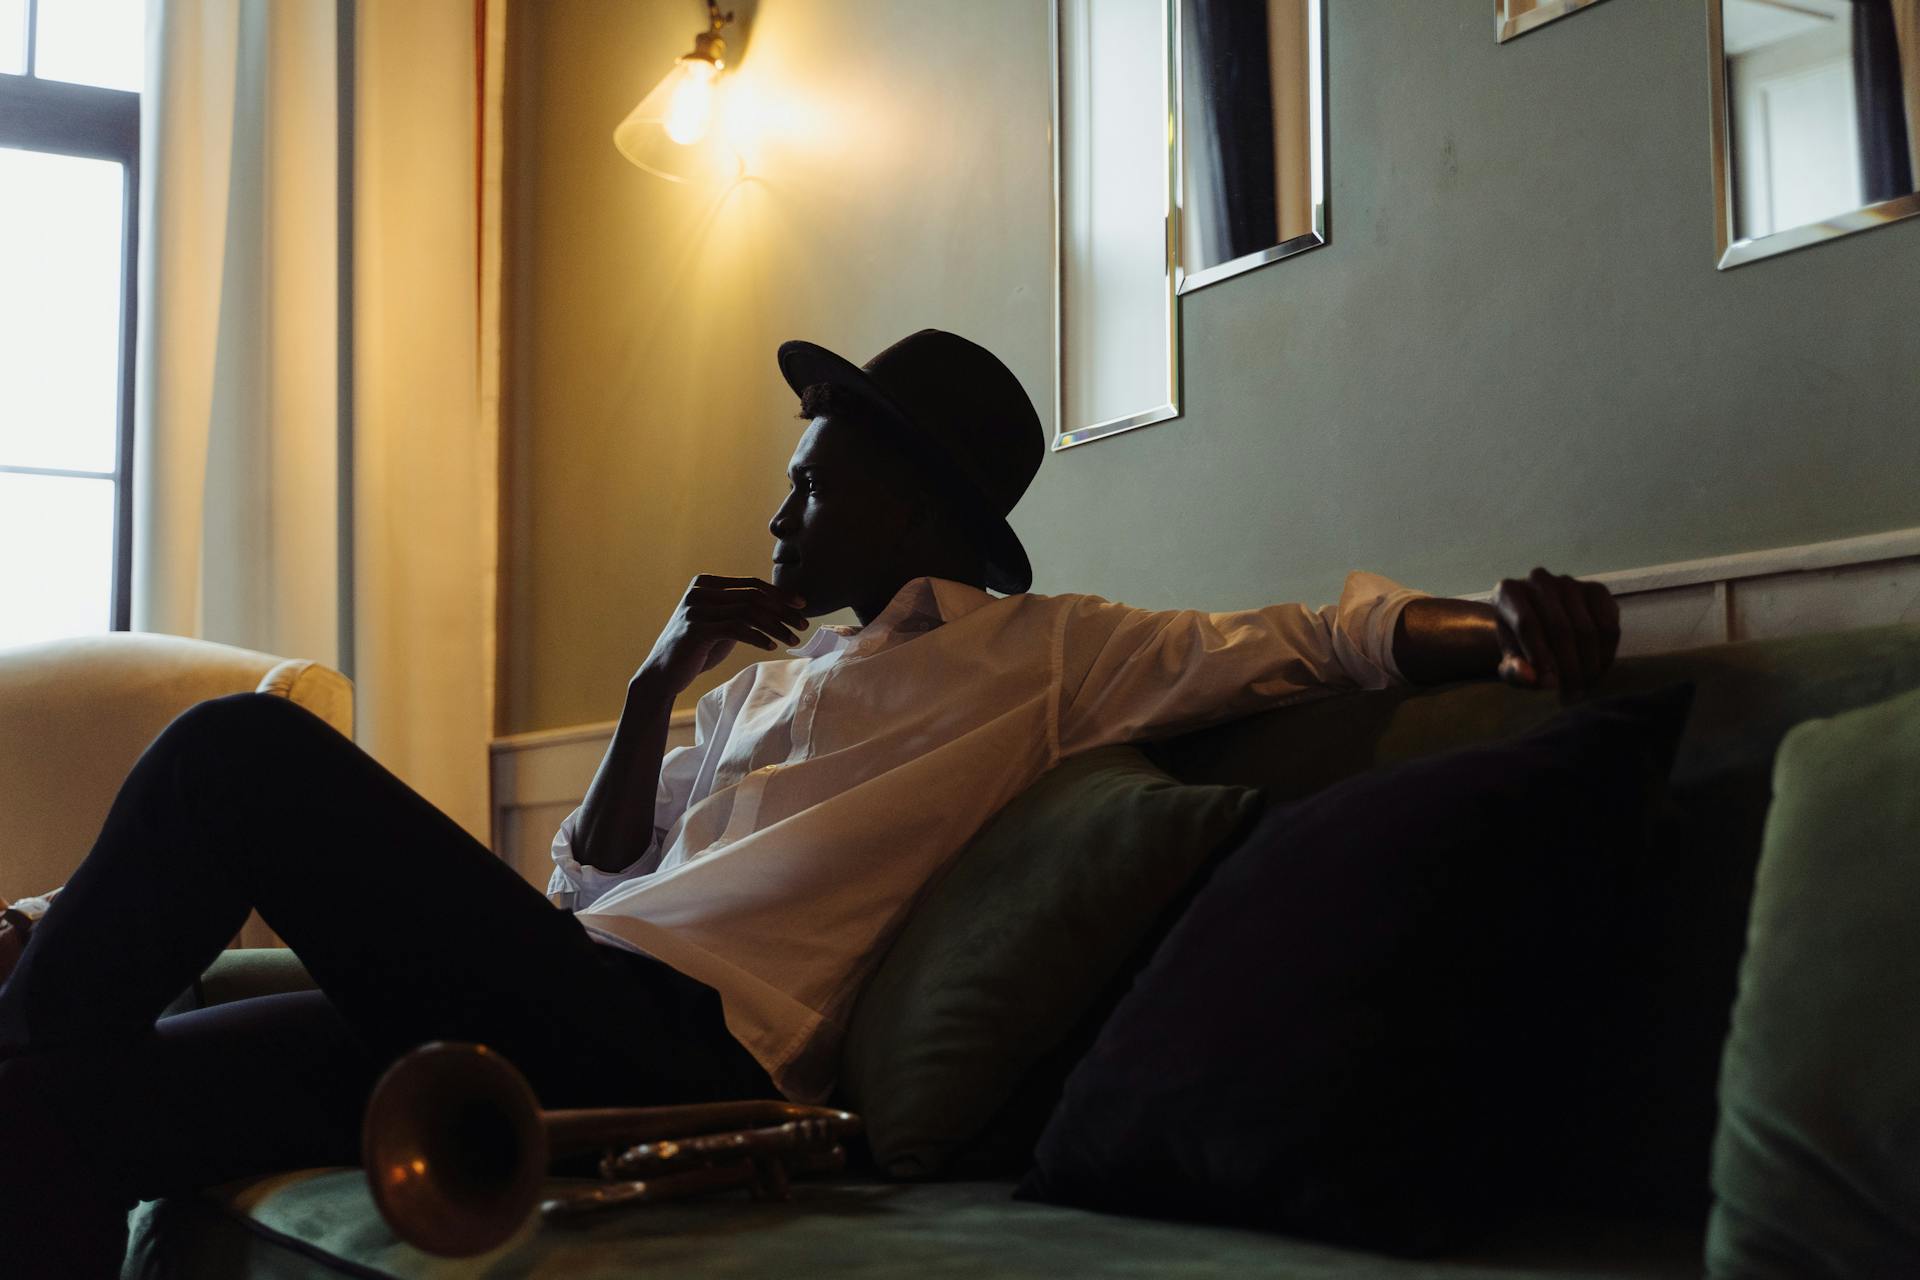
[456,1146]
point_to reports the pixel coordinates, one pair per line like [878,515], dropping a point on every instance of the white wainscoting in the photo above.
[538,779]
[1829,586]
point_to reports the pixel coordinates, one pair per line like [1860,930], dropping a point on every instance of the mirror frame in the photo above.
[1736,252]
[1179,281]
[1067,439]
[1186,282]
[1505,28]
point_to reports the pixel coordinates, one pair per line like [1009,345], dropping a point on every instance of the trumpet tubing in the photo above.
[456,1148]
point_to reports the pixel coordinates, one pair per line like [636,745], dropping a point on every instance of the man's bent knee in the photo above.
[247,721]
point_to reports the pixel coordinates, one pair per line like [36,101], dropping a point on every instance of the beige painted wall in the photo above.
[902,183]
[1515,349]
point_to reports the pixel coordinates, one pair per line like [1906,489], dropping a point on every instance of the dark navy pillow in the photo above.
[1371,1023]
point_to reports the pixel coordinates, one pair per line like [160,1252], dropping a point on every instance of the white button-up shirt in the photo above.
[823,792]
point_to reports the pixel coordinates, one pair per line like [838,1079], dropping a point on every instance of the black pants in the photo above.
[411,928]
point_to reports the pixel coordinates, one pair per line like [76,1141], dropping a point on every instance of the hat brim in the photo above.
[804,364]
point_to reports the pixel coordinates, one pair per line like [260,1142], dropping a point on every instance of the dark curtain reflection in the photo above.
[1880,100]
[1227,58]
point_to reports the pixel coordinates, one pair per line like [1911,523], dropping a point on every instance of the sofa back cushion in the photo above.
[1816,1167]
[1688,912]
[1013,947]
[1374,1023]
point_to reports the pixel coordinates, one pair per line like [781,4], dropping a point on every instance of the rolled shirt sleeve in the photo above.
[584,884]
[1130,675]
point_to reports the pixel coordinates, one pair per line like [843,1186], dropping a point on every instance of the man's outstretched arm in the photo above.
[1542,631]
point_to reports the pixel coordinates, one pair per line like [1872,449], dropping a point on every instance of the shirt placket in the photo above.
[745,818]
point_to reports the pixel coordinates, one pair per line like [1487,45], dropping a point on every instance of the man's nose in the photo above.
[781,522]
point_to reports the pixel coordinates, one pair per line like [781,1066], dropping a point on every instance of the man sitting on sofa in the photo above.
[729,901]
[774,857]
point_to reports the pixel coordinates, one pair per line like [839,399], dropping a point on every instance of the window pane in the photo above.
[13,36]
[56,557]
[101,42]
[59,311]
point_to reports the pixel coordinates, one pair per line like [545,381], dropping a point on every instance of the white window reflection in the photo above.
[1823,108]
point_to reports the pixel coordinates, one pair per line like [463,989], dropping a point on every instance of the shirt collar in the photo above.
[920,605]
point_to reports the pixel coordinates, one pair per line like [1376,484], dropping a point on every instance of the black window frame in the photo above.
[100,124]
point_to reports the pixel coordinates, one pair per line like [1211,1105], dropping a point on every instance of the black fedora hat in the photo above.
[961,415]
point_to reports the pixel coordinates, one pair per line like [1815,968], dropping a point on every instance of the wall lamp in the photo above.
[680,109]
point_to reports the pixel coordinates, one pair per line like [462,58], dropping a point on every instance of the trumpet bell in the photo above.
[455,1148]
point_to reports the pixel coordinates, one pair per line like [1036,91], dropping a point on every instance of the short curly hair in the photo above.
[830,400]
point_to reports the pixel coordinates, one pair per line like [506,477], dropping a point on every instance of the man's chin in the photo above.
[787,577]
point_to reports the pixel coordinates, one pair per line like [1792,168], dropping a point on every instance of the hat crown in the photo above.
[973,406]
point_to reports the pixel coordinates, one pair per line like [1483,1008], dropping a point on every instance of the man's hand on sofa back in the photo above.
[1543,631]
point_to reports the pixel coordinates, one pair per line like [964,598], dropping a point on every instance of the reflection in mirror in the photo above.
[1517,17]
[1816,120]
[1117,324]
[1252,178]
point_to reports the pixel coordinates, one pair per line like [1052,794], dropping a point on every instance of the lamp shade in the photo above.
[673,122]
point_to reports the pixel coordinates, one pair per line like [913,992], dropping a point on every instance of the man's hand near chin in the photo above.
[1543,631]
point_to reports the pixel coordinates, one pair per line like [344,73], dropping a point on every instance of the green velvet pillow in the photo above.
[1008,952]
[1816,1164]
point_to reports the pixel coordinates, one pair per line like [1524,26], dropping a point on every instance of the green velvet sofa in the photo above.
[1648,1165]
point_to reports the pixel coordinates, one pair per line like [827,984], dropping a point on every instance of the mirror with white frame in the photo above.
[1189,146]
[1517,17]
[1117,324]
[1816,120]
[1250,131]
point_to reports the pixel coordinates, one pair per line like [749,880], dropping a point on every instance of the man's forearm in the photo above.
[616,819]
[1437,640]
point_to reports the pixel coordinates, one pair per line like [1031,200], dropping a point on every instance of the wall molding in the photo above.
[538,777]
[1873,548]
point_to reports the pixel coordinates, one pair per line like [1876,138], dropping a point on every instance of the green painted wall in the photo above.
[1515,350]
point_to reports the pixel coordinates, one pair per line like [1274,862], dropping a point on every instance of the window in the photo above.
[70,80]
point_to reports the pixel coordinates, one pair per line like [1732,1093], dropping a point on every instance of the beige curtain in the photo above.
[264,516]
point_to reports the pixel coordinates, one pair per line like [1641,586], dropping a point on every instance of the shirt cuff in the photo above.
[1369,613]
[588,884]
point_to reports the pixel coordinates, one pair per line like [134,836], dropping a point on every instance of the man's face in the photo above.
[836,538]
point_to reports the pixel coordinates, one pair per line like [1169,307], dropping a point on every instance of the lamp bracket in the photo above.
[708,46]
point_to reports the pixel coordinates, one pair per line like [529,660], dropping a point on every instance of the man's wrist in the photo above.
[649,691]
[1438,640]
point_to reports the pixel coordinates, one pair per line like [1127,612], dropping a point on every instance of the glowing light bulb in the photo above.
[690,109]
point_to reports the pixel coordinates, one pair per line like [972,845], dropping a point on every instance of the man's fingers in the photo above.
[1522,616]
[1514,669]
[1586,634]
[749,612]
[746,634]
[1559,630]
[1605,611]
[748,589]
[722,580]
